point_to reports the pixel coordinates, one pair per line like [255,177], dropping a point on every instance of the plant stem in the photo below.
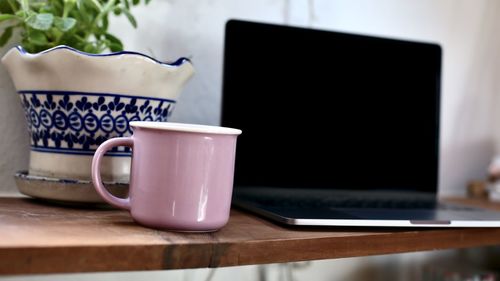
[12,5]
[104,11]
[25,5]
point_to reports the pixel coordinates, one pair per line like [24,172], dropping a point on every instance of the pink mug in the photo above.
[181,177]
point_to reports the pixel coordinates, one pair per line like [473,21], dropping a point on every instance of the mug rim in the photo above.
[185,127]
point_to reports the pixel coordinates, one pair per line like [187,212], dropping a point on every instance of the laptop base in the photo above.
[267,203]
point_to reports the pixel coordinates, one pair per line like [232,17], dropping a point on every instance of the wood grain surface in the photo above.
[36,237]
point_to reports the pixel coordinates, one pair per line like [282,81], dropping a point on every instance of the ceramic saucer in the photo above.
[65,190]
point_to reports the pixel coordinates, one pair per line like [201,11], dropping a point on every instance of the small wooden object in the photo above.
[477,189]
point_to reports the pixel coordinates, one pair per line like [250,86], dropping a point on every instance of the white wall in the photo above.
[467,30]
[14,140]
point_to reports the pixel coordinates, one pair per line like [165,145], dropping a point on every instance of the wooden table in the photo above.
[40,238]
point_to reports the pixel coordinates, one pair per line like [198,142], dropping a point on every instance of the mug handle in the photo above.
[122,203]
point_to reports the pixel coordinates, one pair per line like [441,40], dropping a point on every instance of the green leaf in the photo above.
[21,14]
[108,7]
[68,6]
[25,5]
[105,23]
[82,24]
[57,7]
[4,17]
[112,38]
[115,47]
[126,4]
[40,21]
[130,17]
[38,38]
[64,24]
[96,4]
[72,41]
[55,33]
[114,44]
[7,34]
[13,5]
[90,48]
[46,10]
[82,13]
[6,8]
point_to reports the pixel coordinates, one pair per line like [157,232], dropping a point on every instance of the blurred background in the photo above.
[468,32]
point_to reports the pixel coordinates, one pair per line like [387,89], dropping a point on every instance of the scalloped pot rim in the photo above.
[178,62]
[63,68]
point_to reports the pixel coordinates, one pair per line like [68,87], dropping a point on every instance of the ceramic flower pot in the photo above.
[74,101]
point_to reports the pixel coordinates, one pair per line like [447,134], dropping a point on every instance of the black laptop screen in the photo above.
[324,109]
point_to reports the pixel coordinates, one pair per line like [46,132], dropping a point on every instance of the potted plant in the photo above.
[81,24]
[74,97]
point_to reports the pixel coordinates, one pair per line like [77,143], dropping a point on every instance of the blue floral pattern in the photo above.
[78,122]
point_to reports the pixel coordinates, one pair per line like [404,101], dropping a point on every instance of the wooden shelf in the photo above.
[40,238]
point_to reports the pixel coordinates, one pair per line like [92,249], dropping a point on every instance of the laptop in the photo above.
[338,129]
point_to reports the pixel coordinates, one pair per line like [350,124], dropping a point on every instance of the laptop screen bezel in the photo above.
[232,26]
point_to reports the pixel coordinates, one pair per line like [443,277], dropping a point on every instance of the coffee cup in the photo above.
[181,175]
